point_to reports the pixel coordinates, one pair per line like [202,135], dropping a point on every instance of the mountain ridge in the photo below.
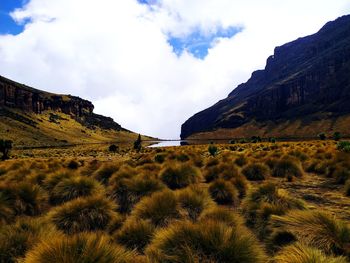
[305,80]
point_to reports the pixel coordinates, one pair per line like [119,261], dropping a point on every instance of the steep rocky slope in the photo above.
[33,117]
[303,90]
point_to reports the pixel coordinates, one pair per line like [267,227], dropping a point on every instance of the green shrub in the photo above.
[344,146]
[113,148]
[84,214]
[194,199]
[16,239]
[286,168]
[160,208]
[209,241]
[180,175]
[79,248]
[347,188]
[224,193]
[135,234]
[74,187]
[212,149]
[299,253]
[256,172]
[317,229]
[337,136]
[160,158]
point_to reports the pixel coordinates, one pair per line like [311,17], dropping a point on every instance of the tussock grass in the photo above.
[194,199]
[84,214]
[209,241]
[224,193]
[74,187]
[300,253]
[317,229]
[160,208]
[287,168]
[16,239]
[256,172]
[79,248]
[222,214]
[105,172]
[135,234]
[177,176]
[224,171]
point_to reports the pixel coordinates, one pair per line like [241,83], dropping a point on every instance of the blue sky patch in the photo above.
[7,24]
[198,44]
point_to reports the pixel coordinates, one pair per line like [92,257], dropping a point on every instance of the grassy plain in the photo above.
[284,202]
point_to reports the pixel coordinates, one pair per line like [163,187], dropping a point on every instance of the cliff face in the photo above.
[307,80]
[29,100]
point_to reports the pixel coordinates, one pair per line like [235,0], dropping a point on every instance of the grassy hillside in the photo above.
[54,128]
[263,202]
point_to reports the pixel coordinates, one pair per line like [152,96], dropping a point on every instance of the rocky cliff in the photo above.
[305,81]
[29,100]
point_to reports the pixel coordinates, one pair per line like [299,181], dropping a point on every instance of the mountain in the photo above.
[303,90]
[31,117]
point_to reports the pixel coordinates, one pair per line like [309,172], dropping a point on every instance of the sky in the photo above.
[150,64]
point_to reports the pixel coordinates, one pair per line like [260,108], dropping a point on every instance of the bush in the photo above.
[79,248]
[337,136]
[16,239]
[223,192]
[138,143]
[71,188]
[287,168]
[5,147]
[322,136]
[299,253]
[194,200]
[180,176]
[344,146]
[73,165]
[113,148]
[84,214]
[208,241]
[160,208]
[256,172]
[347,188]
[212,149]
[135,234]
[317,229]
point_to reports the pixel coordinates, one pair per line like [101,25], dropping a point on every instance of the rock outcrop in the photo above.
[307,80]
[18,96]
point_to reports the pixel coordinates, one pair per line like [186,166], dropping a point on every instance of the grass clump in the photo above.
[299,253]
[223,192]
[180,176]
[16,239]
[317,229]
[222,214]
[83,214]
[208,241]
[160,208]
[79,248]
[135,234]
[74,187]
[256,172]
[105,172]
[347,188]
[287,168]
[194,199]
[267,200]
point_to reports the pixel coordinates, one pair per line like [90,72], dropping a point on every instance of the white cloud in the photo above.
[115,52]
